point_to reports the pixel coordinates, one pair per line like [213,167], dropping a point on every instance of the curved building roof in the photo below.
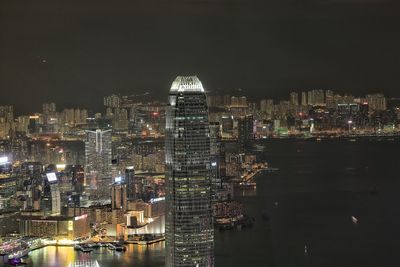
[186,84]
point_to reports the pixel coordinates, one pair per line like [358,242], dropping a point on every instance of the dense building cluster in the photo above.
[74,174]
[305,113]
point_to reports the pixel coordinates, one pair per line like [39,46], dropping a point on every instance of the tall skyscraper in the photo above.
[189,223]
[245,132]
[329,99]
[98,163]
[118,194]
[215,143]
[263,105]
[294,99]
[6,120]
[130,183]
[304,101]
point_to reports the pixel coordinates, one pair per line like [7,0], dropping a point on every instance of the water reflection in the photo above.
[135,255]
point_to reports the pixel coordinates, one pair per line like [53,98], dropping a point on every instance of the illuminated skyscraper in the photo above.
[215,143]
[118,194]
[189,223]
[98,163]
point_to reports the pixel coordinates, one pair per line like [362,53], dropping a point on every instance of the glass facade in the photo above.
[98,163]
[189,222]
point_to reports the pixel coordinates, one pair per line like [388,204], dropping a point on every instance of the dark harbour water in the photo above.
[319,187]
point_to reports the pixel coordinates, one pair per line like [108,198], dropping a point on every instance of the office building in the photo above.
[189,221]
[245,132]
[98,163]
[118,194]
[130,183]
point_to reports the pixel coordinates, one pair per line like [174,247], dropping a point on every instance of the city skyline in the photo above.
[199,133]
[98,107]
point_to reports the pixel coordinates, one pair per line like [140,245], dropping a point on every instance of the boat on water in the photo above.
[16,262]
[18,254]
[86,249]
[354,219]
[247,185]
[111,246]
[258,147]
[120,248]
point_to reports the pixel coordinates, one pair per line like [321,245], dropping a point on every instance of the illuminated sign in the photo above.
[118,179]
[70,225]
[51,177]
[60,167]
[3,160]
[84,216]
[154,200]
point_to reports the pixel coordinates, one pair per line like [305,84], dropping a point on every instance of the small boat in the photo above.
[86,249]
[354,219]
[248,185]
[119,247]
[111,246]
[16,262]
[21,253]
[259,147]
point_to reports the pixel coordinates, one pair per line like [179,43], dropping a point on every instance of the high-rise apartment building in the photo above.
[377,102]
[294,99]
[329,99]
[112,101]
[189,222]
[316,97]
[6,121]
[304,101]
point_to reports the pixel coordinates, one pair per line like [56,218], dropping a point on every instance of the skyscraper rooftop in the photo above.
[187,84]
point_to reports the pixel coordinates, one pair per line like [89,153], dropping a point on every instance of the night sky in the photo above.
[74,52]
